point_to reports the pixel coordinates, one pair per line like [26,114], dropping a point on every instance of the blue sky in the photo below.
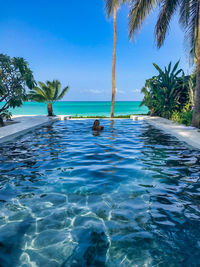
[72,41]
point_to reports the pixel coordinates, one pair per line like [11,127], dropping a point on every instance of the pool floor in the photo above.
[126,196]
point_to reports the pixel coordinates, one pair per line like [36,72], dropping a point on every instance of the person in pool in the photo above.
[96,126]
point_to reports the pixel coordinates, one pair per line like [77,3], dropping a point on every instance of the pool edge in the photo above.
[186,134]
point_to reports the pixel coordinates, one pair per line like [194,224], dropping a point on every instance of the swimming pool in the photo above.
[128,196]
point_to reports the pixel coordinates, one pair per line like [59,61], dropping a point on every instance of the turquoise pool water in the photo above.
[128,196]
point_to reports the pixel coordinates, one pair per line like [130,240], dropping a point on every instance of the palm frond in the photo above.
[109,7]
[45,89]
[64,91]
[48,92]
[110,4]
[184,14]
[51,89]
[39,91]
[57,86]
[33,96]
[139,10]
[191,28]
[168,8]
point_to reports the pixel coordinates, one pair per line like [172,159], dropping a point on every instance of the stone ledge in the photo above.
[64,117]
[23,125]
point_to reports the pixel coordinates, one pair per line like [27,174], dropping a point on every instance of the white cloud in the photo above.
[136,91]
[93,91]
[96,91]
[120,91]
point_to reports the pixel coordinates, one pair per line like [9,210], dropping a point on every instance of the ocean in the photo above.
[81,108]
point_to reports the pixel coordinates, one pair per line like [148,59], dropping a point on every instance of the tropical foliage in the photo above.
[168,92]
[189,18]
[48,93]
[15,77]
[111,4]
[184,116]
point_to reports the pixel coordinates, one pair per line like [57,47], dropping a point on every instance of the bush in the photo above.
[176,116]
[6,115]
[186,117]
[167,92]
[183,117]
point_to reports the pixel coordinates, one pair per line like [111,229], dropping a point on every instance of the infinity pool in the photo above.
[128,196]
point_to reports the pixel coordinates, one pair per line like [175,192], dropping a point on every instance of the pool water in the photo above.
[127,196]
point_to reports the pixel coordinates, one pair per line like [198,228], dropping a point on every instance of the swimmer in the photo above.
[96,126]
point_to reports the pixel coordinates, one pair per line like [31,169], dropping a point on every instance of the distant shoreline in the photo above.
[84,101]
[84,117]
[82,108]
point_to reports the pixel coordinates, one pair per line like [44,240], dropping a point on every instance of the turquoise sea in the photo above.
[89,108]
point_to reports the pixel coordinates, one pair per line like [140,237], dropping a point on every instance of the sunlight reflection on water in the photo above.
[128,196]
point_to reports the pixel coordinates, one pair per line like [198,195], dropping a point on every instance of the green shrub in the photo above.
[176,116]
[6,115]
[167,92]
[183,117]
[186,117]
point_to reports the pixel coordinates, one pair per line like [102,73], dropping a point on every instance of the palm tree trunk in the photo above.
[50,109]
[114,61]
[196,113]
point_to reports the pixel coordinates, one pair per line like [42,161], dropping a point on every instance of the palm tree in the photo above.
[111,9]
[48,93]
[189,18]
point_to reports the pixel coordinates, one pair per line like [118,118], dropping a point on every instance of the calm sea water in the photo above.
[127,196]
[82,108]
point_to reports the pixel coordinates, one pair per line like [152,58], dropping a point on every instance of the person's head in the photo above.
[96,123]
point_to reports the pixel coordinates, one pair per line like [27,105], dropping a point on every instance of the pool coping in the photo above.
[24,124]
[187,134]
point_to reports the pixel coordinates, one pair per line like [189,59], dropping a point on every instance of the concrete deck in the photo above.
[22,125]
[187,134]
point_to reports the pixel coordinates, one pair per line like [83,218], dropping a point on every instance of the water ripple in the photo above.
[128,196]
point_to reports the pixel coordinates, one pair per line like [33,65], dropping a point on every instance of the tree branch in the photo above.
[4,97]
[4,107]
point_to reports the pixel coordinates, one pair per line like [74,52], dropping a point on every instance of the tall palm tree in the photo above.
[48,93]
[189,18]
[111,9]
